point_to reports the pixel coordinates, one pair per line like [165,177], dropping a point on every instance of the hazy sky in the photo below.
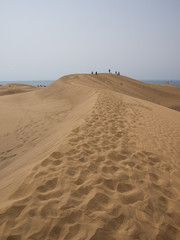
[45,39]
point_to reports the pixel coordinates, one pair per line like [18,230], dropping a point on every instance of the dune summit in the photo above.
[90,157]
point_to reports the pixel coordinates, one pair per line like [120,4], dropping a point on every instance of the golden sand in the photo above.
[90,157]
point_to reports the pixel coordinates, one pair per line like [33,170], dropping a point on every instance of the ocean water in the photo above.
[163,82]
[47,82]
[32,83]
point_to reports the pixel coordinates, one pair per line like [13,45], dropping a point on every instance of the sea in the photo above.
[32,83]
[48,82]
[163,82]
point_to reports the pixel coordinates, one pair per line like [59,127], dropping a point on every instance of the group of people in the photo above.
[117,73]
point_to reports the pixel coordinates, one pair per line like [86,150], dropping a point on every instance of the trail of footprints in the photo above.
[98,185]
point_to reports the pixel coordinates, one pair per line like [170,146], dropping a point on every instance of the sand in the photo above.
[14,88]
[90,157]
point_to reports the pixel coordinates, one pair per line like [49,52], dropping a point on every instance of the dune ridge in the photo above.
[109,167]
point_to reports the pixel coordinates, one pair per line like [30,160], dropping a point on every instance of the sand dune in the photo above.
[90,157]
[14,88]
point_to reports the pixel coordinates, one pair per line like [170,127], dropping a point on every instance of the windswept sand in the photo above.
[14,88]
[90,157]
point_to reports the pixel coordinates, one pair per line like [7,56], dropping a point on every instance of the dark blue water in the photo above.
[163,82]
[32,83]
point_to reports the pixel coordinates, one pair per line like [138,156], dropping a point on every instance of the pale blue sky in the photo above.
[45,39]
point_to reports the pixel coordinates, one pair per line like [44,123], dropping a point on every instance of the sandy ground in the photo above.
[90,157]
[14,88]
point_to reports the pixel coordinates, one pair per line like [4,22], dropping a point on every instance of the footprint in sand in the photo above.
[49,185]
[115,156]
[14,211]
[73,231]
[109,169]
[49,209]
[124,187]
[109,183]
[98,202]
[102,233]
[52,195]
[14,237]
[55,233]
[57,155]
[132,196]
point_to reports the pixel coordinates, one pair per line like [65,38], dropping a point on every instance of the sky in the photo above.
[46,39]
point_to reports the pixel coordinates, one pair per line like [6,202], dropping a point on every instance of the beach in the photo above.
[90,157]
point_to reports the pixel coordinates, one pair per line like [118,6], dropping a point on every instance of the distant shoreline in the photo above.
[32,83]
[48,82]
[163,82]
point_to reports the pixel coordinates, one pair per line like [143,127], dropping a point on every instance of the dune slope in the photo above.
[9,89]
[91,157]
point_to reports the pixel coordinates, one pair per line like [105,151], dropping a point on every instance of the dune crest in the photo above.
[106,168]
